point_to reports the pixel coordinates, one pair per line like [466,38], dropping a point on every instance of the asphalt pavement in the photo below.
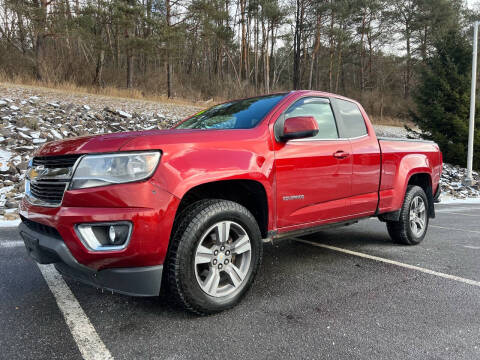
[308,302]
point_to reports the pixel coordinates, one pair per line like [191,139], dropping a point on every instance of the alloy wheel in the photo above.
[418,216]
[222,259]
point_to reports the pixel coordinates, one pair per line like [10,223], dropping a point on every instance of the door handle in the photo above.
[340,154]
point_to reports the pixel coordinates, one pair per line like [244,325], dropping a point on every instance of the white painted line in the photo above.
[392,262]
[455,229]
[89,343]
[456,213]
[11,244]
[456,209]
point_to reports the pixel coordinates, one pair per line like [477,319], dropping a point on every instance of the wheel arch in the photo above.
[249,193]
[424,180]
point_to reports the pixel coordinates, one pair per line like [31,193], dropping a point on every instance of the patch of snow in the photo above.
[446,199]
[17,160]
[33,99]
[25,136]
[56,134]
[6,189]
[124,114]
[4,160]
[9,223]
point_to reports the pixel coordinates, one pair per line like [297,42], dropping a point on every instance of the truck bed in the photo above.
[398,158]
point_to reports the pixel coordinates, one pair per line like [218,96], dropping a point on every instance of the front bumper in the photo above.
[149,209]
[50,248]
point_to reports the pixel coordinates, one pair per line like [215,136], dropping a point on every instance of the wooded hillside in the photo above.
[370,50]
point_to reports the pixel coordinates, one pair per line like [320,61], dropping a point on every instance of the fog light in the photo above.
[111,234]
[105,236]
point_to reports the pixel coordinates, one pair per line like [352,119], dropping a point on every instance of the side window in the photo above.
[353,120]
[321,110]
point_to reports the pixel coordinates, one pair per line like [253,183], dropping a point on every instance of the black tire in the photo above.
[400,231]
[183,287]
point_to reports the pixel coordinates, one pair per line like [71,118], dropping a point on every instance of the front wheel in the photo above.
[214,256]
[413,222]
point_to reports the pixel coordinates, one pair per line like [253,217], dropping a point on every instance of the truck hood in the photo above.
[128,141]
[86,144]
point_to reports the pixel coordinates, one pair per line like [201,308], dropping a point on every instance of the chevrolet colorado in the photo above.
[187,208]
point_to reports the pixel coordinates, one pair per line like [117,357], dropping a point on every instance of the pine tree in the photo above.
[442,98]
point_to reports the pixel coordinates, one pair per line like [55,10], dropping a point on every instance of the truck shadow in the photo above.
[284,262]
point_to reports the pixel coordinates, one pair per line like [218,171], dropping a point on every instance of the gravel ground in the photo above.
[391,131]
[31,116]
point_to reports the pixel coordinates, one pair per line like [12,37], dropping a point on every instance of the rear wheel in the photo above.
[413,222]
[214,256]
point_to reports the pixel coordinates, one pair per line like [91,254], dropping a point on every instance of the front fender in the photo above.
[180,171]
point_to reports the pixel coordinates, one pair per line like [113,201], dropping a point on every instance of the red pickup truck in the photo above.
[187,208]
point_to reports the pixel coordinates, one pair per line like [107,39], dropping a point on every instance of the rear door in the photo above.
[313,175]
[366,157]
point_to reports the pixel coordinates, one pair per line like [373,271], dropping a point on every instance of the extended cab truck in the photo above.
[188,207]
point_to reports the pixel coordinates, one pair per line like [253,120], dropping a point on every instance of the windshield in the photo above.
[241,114]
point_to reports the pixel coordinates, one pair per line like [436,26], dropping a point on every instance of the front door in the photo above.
[313,175]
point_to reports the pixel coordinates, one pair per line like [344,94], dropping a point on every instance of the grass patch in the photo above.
[107,91]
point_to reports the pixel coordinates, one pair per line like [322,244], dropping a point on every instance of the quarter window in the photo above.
[321,110]
[353,120]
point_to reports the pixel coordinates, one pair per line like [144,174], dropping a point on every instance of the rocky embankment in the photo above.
[29,117]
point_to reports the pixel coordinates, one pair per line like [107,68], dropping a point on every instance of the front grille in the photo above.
[62,161]
[48,178]
[40,228]
[50,192]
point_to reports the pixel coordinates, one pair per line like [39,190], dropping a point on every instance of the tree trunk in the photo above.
[409,60]
[316,48]
[40,40]
[362,56]
[256,31]
[370,50]
[266,60]
[332,53]
[297,44]
[243,48]
[339,67]
[169,60]
[98,80]
[129,69]
[271,62]
[40,70]
[21,32]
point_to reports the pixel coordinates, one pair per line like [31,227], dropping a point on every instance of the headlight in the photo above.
[100,170]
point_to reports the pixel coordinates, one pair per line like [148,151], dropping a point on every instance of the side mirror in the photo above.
[299,127]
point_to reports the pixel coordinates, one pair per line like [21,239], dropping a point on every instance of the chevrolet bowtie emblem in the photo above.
[33,173]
